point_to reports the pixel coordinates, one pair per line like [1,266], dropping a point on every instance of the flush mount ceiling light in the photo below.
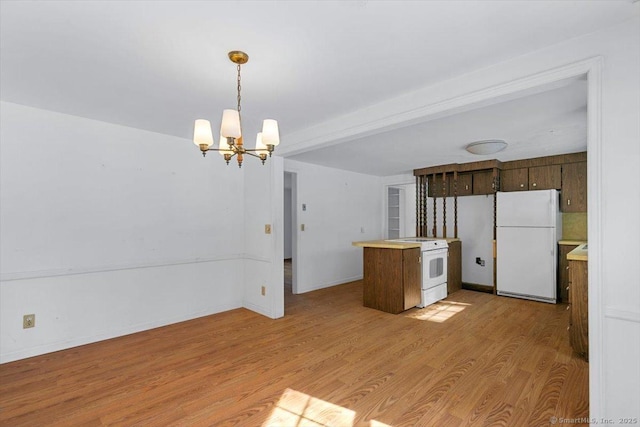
[488,146]
[231,144]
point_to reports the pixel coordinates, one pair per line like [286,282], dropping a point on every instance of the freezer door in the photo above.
[526,263]
[527,208]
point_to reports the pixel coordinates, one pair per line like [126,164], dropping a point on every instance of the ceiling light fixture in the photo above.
[231,143]
[489,146]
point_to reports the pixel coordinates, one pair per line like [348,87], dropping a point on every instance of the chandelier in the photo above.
[231,143]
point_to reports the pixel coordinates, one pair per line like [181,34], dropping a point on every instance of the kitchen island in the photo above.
[392,273]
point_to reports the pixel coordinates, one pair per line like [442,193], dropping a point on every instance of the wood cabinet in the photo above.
[391,279]
[483,182]
[437,188]
[514,179]
[545,177]
[574,187]
[465,184]
[578,305]
[454,267]
[562,291]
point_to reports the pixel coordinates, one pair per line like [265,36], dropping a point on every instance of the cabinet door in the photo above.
[454,267]
[574,187]
[411,270]
[437,189]
[514,179]
[464,186]
[579,330]
[563,272]
[483,182]
[545,177]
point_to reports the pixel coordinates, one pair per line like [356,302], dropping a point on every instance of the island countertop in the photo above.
[394,244]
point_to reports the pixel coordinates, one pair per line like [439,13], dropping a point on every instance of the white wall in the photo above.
[339,205]
[264,265]
[108,230]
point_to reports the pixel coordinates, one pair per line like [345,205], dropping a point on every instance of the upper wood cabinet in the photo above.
[545,177]
[574,187]
[437,188]
[514,179]
[483,182]
[464,185]
[565,172]
[531,178]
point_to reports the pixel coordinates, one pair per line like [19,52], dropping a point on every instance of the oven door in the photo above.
[434,268]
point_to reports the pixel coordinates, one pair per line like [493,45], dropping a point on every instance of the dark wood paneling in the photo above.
[436,169]
[475,166]
[560,159]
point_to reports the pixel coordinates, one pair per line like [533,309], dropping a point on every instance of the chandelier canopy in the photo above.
[231,143]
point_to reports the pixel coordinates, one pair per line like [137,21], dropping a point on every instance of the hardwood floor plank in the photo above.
[473,358]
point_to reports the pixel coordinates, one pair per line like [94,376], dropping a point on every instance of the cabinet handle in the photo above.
[419,260]
[568,202]
[521,185]
[568,307]
[466,187]
[535,185]
[567,288]
[568,327]
[567,267]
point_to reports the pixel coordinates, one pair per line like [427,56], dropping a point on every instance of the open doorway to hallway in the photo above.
[290,233]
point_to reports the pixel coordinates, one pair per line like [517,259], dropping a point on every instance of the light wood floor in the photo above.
[474,359]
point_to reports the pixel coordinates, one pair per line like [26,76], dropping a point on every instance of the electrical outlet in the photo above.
[267,229]
[263,290]
[28,321]
[301,227]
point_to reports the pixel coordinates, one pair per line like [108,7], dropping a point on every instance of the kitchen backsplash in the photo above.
[574,226]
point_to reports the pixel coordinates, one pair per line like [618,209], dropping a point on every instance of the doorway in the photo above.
[290,234]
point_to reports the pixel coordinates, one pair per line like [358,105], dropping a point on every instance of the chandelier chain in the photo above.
[239,88]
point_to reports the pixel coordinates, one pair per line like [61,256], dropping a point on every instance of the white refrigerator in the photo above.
[529,225]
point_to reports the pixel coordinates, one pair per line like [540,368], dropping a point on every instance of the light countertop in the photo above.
[572,242]
[581,253]
[386,244]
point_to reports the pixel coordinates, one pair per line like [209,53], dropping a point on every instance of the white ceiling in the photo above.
[158,65]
